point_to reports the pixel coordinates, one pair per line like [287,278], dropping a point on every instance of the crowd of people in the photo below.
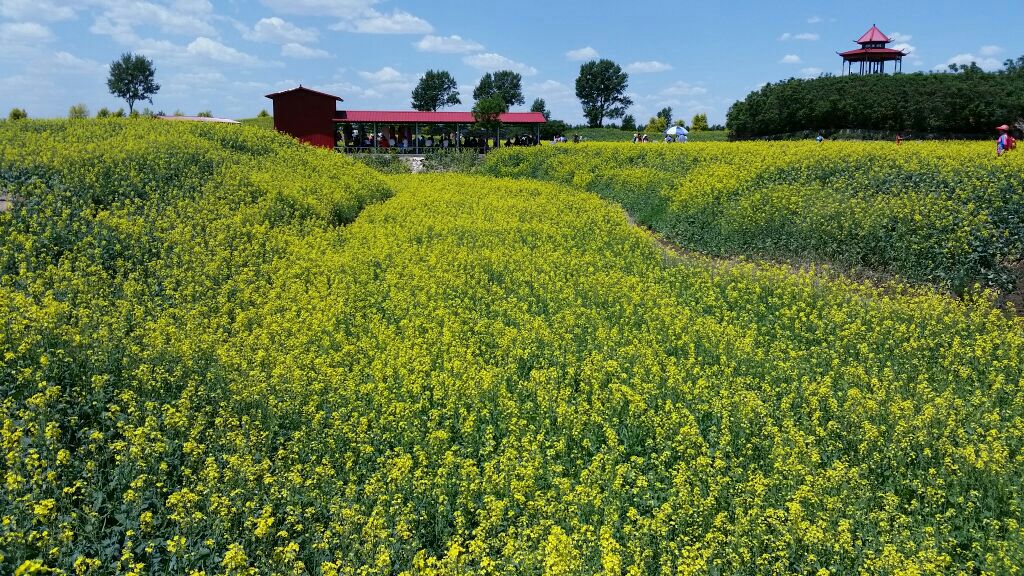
[422,142]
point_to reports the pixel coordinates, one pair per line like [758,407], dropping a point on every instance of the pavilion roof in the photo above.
[873,35]
[870,53]
[411,117]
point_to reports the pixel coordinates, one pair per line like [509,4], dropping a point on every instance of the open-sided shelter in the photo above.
[311,116]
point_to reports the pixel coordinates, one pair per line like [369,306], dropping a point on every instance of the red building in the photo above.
[305,114]
[311,116]
[873,54]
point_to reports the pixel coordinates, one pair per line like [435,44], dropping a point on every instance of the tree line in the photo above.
[964,101]
[601,87]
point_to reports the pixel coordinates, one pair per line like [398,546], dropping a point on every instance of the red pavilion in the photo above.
[873,54]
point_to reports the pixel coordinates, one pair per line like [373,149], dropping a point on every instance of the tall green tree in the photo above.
[656,125]
[539,105]
[17,114]
[666,113]
[601,88]
[699,123]
[504,83]
[132,79]
[487,112]
[629,123]
[435,90]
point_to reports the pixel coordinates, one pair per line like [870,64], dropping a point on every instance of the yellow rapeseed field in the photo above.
[224,353]
[946,213]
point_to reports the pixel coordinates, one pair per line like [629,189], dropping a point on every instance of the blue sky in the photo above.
[696,56]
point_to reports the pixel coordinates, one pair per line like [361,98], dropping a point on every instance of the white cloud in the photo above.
[278,31]
[681,88]
[810,36]
[580,54]
[337,8]
[990,50]
[550,91]
[348,91]
[491,61]
[385,75]
[648,67]
[447,45]
[295,50]
[35,10]
[902,42]
[790,59]
[398,22]
[207,48]
[814,20]
[119,19]
[15,33]
[70,62]
[811,71]
[966,59]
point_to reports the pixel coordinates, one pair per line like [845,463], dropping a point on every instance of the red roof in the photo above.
[405,117]
[873,35]
[867,53]
[301,88]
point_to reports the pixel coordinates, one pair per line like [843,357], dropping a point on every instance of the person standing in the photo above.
[1005,142]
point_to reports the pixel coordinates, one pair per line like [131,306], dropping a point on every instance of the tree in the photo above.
[435,90]
[487,112]
[629,123]
[699,123]
[103,113]
[601,88]
[205,114]
[131,79]
[504,83]
[17,114]
[1014,66]
[263,114]
[657,125]
[540,106]
[666,113]
[78,112]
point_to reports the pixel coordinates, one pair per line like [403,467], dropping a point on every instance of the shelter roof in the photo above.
[873,35]
[407,117]
[302,88]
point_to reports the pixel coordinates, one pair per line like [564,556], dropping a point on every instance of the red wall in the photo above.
[306,116]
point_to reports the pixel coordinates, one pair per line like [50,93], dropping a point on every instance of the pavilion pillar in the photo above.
[416,137]
[376,142]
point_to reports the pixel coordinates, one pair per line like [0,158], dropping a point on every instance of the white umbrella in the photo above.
[676,130]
